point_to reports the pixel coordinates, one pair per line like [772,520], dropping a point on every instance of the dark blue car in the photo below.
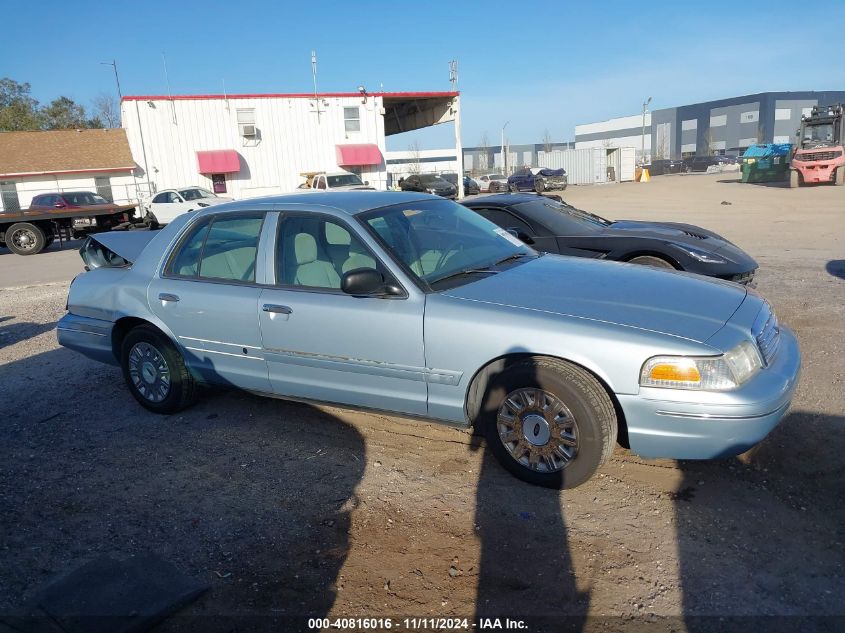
[537,179]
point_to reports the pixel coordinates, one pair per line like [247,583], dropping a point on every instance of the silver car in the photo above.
[414,305]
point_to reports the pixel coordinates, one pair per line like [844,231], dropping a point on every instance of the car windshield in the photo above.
[443,243]
[562,218]
[819,133]
[431,179]
[451,178]
[343,180]
[83,198]
[195,193]
[498,177]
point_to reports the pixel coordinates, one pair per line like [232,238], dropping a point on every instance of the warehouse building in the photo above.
[247,145]
[726,126]
[38,162]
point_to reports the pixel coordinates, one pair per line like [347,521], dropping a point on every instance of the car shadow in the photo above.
[252,495]
[836,267]
[15,332]
[744,524]
[778,184]
[525,569]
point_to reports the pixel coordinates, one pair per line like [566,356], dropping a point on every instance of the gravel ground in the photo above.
[287,509]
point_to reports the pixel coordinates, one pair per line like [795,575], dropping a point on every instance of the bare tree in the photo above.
[547,141]
[708,144]
[484,159]
[414,165]
[106,109]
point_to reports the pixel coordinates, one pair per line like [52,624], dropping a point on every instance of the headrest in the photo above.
[337,235]
[305,248]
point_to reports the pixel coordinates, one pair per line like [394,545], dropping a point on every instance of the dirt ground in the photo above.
[290,510]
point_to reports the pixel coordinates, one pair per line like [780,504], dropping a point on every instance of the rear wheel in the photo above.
[793,179]
[839,178]
[653,261]
[539,185]
[513,187]
[155,371]
[24,238]
[548,422]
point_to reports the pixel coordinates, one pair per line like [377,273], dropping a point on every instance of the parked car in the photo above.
[702,163]
[666,166]
[470,186]
[170,203]
[417,306]
[491,183]
[429,183]
[537,179]
[556,227]
[67,200]
[335,181]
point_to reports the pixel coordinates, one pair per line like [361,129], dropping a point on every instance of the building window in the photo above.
[103,186]
[718,120]
[689,124]
[783,114]
[352,119]
[9,197]
[218,183]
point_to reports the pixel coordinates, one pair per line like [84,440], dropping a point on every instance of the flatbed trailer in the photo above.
[31,231]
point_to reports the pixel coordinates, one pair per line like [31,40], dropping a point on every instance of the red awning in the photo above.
[218,161]
[358,154]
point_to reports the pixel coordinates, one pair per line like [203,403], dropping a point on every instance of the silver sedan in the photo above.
[414,305]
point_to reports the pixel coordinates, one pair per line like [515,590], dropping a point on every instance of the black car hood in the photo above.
[682,234]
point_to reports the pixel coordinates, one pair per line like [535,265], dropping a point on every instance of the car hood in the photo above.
[669,302]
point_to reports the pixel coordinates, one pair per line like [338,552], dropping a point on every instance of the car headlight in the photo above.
[750,161]
[703,373]
[701,255]
[430,190]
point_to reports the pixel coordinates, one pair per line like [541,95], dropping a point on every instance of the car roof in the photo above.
[349,202]
[502,199]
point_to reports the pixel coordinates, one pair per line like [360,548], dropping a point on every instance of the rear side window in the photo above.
[225,248]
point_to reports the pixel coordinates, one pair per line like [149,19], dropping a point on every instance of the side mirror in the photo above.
[521,235]
[366,282]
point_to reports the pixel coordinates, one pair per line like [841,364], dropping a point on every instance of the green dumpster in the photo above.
[766,162]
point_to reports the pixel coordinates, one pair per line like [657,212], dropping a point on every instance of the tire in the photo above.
[539,391]
[539,185]
[794,179]
[25,238]
[839,178]
[653,261]
[147,356]
[513,188]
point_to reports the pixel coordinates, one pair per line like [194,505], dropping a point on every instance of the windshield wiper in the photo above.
[513,257]
[467,271]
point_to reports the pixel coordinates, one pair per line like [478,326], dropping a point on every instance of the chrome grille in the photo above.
[817,155]
[767,334]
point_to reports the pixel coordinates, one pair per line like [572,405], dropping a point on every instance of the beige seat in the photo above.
[311,271]
[358,258]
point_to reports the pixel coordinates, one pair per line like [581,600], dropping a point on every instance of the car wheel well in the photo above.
[478,387]
[629,256]
[121,328]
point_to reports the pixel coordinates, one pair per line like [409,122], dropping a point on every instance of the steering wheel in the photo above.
[456,245]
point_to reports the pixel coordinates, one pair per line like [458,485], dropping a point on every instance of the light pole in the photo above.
[504,156]
[642,143]
[113,64]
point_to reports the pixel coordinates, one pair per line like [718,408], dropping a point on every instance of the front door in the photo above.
[209,299]
[322,344]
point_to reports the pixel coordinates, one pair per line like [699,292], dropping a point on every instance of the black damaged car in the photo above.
[556,227]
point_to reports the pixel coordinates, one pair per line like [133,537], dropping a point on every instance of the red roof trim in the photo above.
[66,171]
[293,95]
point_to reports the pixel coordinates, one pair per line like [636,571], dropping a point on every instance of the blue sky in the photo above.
[540,65]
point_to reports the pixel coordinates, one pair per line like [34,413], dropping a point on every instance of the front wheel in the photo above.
[793,179]
[155,371]
[839,178]
[653,261]
[513,188]
[539,186]
[548,422]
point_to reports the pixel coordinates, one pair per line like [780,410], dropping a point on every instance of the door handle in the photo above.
[166,296]
[274,309]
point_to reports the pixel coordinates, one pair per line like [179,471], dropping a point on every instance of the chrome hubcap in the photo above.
[149,372]
[24,239]
[538,430]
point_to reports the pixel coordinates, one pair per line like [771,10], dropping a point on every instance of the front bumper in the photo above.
[91,337]
[815,172]
[682,424]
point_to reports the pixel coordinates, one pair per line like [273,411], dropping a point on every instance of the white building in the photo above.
[38,162]
[259,144]
[626,131]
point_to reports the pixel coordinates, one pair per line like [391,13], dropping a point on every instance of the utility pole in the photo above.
[504,156]
[113,64]
[456,110]
[642,143]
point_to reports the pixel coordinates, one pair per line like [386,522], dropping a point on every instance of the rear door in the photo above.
[322,344]
[208,297]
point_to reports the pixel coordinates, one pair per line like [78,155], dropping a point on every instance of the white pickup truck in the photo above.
[332,181]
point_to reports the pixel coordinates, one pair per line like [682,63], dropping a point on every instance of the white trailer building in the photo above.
[248,145]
